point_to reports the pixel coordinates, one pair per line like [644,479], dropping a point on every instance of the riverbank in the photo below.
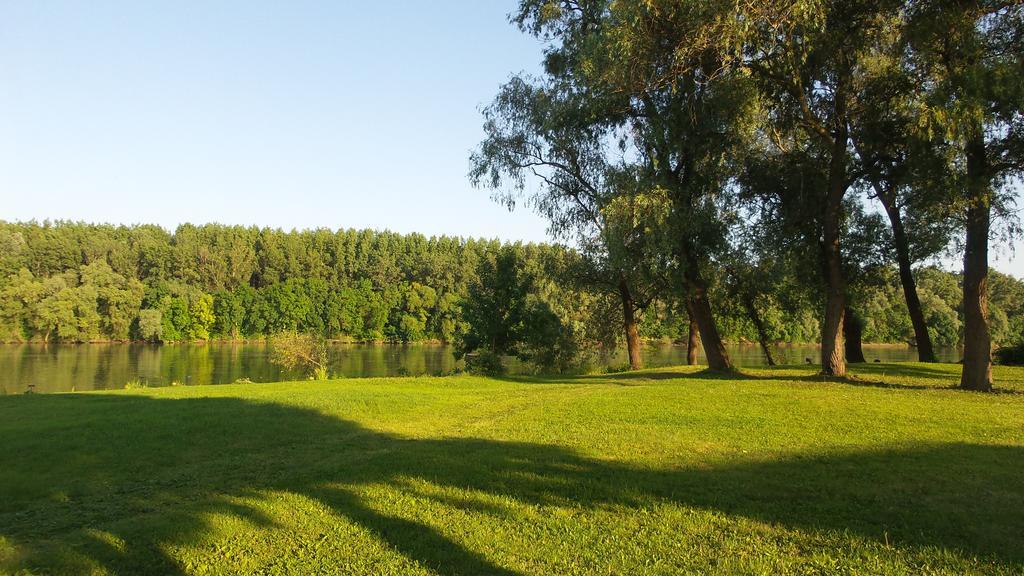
[426,342]
[60,368]
[659,472]
[261,339]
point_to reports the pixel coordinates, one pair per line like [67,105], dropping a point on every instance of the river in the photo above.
[63,368]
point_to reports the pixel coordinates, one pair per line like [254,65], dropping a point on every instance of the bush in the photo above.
[1010,355]
[484,363]
[294,351]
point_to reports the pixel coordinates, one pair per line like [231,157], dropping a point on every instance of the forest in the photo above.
[74,282]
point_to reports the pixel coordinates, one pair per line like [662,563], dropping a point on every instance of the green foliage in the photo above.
[175,319]
[485,362]
[525,299]
[944,323]
[305,352]
[1006,302]
[496,306]
[150,326]
[511,311]
[118,298]
[229,313]
[201,319]
[1012,355]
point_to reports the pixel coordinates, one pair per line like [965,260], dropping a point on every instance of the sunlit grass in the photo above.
[658,472]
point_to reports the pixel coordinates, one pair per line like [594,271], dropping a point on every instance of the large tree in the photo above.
[545,132]
[688,62]
[683,111]
[810,60]
[971,55]
[903,171]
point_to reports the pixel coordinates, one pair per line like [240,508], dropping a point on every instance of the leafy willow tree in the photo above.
[971,56]
[903,171]
[765,276]
[744,286]
[810,60]
[780,232]
[678,128]
[550,134]
[839,70]
[824,71]
[508,315]
[633,248]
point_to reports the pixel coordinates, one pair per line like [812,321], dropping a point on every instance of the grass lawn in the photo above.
[659,472]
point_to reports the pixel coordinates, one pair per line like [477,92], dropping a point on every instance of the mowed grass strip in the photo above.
[657,472]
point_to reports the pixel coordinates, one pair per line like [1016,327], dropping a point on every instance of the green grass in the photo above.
[658,472]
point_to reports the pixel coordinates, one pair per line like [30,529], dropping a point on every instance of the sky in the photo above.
[296,114]
[286,114]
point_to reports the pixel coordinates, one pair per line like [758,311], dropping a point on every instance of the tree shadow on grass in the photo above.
[117,481]
[908,369]
[868,375]
[738,374]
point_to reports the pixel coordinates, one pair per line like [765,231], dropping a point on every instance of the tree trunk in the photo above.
[629,323]
[925,351]
[852,332]
[762,333]
[714,349]
[977,368]
[833,359]
[693,338]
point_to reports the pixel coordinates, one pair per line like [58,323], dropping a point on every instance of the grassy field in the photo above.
[660,472]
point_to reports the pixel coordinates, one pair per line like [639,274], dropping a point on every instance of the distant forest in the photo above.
[74,282]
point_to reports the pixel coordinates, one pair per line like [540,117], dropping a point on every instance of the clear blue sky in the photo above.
[292,114]
[295,114]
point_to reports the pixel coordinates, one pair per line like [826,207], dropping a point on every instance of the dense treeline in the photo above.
[79,282]
[73,282]
[777,152]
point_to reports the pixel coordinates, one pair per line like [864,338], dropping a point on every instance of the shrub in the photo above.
[294,351]
[484,363]
[1011,355]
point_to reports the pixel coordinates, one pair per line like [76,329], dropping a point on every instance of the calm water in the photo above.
[62,368]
